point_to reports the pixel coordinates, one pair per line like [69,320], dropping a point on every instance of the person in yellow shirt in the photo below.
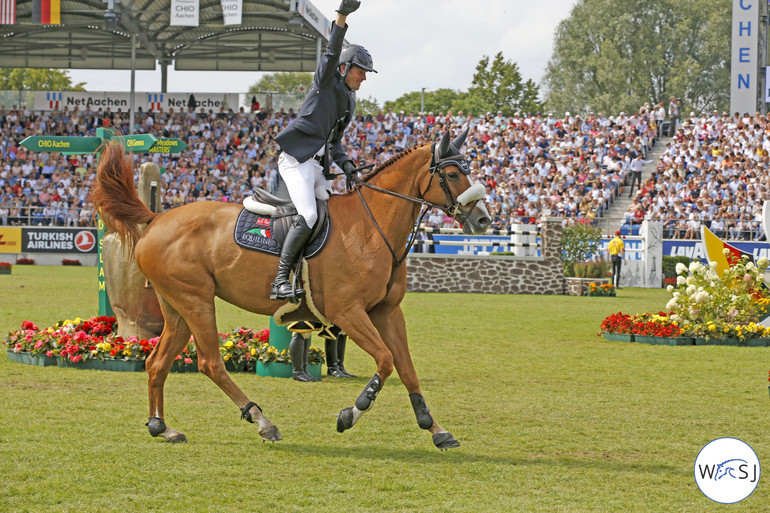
[617,251]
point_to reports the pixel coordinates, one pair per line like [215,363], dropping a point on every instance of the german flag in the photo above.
[47,12]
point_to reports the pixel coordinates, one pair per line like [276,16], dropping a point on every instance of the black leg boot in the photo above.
[292,249]
[332,368]
[341,342]
[298,357]
[304,361]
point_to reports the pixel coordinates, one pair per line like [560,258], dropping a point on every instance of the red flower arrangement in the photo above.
[25,261]
[66,261]
[648,325]
[617,323]
[5,265]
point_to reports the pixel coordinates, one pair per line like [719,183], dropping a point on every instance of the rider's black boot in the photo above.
[341,342]
[332,368]
[298,358]
[305,361]
[292,249]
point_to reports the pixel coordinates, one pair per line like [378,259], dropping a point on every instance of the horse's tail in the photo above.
[115,198]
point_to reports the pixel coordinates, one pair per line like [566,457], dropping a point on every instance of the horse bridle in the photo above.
[452,207]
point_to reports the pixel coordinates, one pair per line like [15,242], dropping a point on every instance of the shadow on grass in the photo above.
[458,456]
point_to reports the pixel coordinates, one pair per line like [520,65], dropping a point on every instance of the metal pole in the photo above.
[163,77]
[133,84]
[422,100]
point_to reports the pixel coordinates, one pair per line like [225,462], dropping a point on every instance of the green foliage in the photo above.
[598,269]
[669,265]
[29,79]
[366,106]
[579,243]
[498,85]
[440,100]
[291,82]
[613,55]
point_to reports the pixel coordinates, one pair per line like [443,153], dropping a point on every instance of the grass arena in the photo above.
[550,416]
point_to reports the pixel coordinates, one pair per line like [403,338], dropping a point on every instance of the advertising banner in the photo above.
[114,100]
[185,13]
[10,240]
[58,240]
[743,64]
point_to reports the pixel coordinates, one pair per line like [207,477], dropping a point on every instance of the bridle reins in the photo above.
[452,207]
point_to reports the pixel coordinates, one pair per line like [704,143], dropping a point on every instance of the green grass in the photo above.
[550,417]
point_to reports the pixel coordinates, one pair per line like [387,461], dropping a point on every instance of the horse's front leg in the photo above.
[360,329]
[389,320]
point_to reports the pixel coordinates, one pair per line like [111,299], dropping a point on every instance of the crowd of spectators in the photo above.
[713,173]
[532,165]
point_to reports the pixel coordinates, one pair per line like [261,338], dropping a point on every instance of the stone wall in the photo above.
[492,274]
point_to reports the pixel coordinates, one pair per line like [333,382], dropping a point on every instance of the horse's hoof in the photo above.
[270,434]
[345,420]
[445,441]
[177,438]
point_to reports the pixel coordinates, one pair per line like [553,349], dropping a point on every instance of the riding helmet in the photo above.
[357,55]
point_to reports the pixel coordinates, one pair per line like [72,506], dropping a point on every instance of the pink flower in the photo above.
[17,348]
[39,344]
[28,336]
[188,360]
[76,358]
[49,353]
[178,357]
[26,325]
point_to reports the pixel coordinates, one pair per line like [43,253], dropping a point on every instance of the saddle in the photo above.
[265,219]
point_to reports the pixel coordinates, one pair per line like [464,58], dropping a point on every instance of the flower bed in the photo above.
[81,341]
[66,261]
[5,268]
[603,290]
[705,309]
[25,261]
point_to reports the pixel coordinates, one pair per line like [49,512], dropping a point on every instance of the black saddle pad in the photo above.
[255,231]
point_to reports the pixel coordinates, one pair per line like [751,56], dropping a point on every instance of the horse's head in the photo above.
[459,197]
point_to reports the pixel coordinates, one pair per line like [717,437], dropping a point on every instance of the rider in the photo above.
[315,136]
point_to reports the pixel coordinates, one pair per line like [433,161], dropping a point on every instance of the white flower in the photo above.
[680,280]
[671,304]
[694,266]
[691,290]
[701,297]
[763,262]
[676,295]
[674,317]
[690,280]
[670,288]
[713,264]
[680,268]
[726,251]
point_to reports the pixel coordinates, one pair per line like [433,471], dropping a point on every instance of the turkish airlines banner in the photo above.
[185,13]
[95,100]
[58,240]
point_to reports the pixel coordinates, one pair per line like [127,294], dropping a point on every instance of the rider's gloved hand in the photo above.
[348,6]
[350,169]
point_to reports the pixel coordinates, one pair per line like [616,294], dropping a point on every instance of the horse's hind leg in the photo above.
[392,327]
[203,325]
[172,341]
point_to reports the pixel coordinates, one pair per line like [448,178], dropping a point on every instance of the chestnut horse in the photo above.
[356,282]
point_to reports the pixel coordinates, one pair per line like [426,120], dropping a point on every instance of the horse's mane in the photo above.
[398,156]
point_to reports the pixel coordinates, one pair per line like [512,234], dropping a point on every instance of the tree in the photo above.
[366,106]
[29,79]
[440,100]
[498,85]
[615,55]
[293,82]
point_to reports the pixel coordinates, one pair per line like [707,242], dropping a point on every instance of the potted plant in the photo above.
[5,268]
[580,255]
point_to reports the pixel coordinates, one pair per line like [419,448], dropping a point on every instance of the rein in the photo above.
[450,208]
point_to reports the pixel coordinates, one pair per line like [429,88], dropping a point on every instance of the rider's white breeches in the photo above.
[302,179]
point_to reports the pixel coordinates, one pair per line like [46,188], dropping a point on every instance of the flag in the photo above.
[232,11]
[7,12]
[715,251]
[185,13]
[47,12]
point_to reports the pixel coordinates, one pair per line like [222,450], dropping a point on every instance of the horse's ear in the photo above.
[442,147]
[458,141]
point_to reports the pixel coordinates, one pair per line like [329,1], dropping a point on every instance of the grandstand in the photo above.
[575,167]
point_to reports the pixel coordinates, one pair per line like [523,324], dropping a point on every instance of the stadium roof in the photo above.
[278,35]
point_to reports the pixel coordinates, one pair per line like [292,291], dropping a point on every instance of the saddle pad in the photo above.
[255,231]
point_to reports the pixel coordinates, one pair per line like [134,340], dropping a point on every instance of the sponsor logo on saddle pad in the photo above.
[264,222]
[262,232]
[257,232]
